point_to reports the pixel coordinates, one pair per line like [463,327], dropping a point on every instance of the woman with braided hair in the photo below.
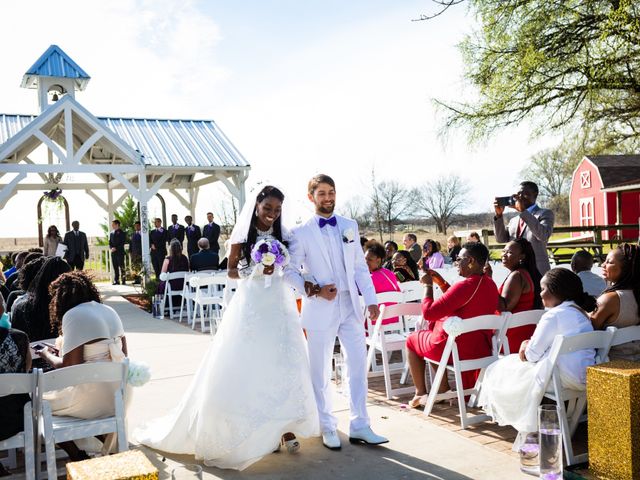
[618,304]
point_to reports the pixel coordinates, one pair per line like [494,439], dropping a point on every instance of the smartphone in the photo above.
[38,347]
[506,201]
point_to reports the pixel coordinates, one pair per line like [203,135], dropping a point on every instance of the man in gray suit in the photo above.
[532,223]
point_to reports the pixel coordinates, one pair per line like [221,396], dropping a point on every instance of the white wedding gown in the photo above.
[252,386]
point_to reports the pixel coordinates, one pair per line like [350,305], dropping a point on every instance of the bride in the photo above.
[252,392]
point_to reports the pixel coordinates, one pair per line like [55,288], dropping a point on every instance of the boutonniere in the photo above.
[348,235]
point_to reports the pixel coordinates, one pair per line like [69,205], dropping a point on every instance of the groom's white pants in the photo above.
[350,332]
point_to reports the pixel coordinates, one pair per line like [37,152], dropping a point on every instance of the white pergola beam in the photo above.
[86,146]
[62,186]
[101,203]
[68,131]
[60,168]
[51,145]
[9,189]
[183,201]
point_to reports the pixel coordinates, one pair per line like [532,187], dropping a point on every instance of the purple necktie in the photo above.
[327,221]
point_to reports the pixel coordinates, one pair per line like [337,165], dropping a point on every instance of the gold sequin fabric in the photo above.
[613,404]
[131,465]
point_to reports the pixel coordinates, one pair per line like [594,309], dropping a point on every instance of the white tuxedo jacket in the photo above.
[310,258]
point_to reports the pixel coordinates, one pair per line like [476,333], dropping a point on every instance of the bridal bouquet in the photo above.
[138,373]
[268,253]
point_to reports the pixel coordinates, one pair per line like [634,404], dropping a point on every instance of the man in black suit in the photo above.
[135,251]
[117,239]
[158,241]
[193,234]
[211,231]
[175,230]
[205,259]
[77,246]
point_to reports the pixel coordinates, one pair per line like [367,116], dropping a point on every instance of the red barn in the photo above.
[605,190]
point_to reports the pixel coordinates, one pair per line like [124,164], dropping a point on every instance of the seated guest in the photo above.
[404,267]
[205,259]
[475,295]
[15,357]
[520,291]
[89,332]
[11,279]
[32,315]
[11,270]
[473,238]
[410,242]
[431,258]
[383,280]
[581,264]
[390,247]
[453,246]
[618,304]
[26,275]
[176,261]
[51,241]
[510,391]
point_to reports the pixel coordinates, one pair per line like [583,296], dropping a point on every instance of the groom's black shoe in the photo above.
[331,440]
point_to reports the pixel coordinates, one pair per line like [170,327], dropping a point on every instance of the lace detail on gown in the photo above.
[252,386]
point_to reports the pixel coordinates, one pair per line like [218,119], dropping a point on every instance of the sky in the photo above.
[300,88]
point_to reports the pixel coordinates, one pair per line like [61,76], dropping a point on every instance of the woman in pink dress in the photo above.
[383,280]
[473,296]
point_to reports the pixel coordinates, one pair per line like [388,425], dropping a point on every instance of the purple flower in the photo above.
[264,248]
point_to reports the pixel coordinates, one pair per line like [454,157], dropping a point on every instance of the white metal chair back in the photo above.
[168,290]
[413,291]
[576,399]
[387,339]
[484,322]
[54,429]
[520,319]
[626,335]
[189,293]
[209,298]
[14,384]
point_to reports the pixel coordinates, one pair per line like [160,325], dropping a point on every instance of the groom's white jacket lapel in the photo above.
[310,256]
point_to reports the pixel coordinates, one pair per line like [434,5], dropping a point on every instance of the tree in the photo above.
[127,214]
[441,199]
[562,65]
[394,201]
[552,170]
[228,214]
[357,209]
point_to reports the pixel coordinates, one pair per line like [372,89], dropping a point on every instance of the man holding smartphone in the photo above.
[532,223]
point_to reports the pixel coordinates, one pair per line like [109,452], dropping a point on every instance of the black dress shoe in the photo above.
[115,283]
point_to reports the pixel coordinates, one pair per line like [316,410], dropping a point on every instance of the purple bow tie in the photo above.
[327,221]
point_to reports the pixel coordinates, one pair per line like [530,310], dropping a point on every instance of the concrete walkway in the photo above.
[417,448]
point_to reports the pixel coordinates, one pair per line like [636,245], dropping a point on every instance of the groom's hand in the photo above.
[374,312]
[311,289]
[328,292]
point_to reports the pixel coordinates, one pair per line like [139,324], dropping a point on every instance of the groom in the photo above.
[328,249]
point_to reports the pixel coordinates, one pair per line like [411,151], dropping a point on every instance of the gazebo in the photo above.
[122,156]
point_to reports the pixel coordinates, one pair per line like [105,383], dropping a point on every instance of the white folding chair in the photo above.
[14,384]
[189,293]
[54,429]
[208,301]
[413,291]
[571,414]
[626,335]
[169,292]
[520,319]
[389,338]
[483,322]
[384,297]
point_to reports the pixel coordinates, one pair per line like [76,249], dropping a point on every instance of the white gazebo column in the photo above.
[144,224]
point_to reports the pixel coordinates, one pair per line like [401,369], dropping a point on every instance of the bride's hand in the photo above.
[268,270]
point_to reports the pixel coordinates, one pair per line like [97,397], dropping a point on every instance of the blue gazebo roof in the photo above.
[55,63]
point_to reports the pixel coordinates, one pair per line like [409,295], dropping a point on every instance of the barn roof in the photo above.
[617,170]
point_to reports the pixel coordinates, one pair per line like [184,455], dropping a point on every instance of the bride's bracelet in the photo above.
[245,272]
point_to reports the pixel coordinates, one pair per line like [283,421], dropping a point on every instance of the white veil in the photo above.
[243,221]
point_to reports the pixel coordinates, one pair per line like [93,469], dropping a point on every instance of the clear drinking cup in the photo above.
[550,437]
[187,472]
[529,453]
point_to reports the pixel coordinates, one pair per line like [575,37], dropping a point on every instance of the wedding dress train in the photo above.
[252,386]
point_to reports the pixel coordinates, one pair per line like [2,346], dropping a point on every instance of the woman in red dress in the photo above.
[520,291]
[475,295]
